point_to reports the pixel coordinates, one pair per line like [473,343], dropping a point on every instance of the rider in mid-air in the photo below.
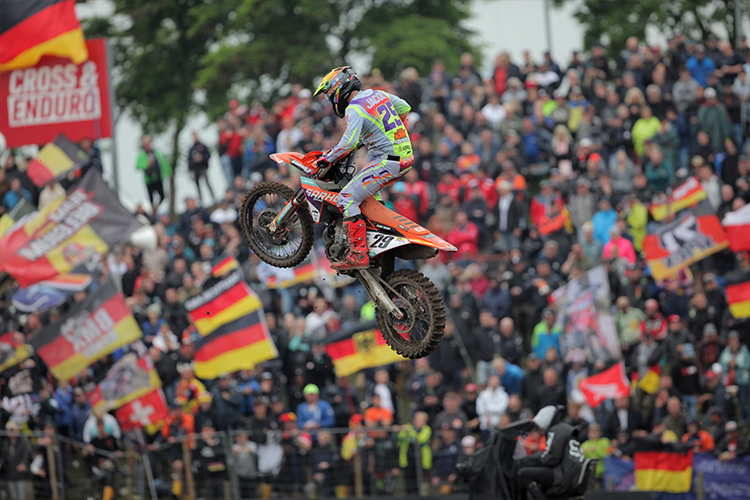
[375,118]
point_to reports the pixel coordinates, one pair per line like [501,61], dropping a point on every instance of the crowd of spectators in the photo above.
[536,172]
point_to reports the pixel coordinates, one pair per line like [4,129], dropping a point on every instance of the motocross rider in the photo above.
[557,470]
[375,118]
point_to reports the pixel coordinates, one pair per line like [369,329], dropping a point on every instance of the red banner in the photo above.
[57,96]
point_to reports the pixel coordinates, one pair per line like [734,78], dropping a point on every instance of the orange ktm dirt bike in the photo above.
[278,226]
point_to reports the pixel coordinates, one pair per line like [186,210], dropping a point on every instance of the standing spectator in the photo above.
[714,120]
[491,404]
[736,363]
[314,413]
[415,437]
[603,221]
[546,334]
[700,66]
[156,169]
[465,236]
[676,418]
[15,460]
[16,193]
[79,413]
[686,379]
[198,157]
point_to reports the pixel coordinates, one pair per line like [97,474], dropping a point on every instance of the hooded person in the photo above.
[559,470]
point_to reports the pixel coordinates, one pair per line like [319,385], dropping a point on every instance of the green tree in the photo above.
[612,21]
[269,44]
[159,46]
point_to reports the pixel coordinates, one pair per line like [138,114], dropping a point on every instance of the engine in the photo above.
[337,244]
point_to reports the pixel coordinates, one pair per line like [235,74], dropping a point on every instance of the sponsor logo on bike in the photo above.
[322,195]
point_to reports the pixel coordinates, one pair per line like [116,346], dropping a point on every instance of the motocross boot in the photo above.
[535,492]
[357,257]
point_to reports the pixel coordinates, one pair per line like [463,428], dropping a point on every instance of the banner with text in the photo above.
[56,96]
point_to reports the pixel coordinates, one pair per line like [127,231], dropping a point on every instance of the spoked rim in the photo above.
[419,331]
[284,243]
[415,324]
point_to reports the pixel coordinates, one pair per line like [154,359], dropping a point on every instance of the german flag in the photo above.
[230,320]
[55,160]
[224,266]
[129,378]
[66,233]
[738,293]
[361,350]
[663,467]
[90,330]
[302,273]
[30,29]
[651,380]
[683,196]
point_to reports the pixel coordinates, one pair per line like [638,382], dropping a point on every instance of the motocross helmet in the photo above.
[338,85]
[549,416]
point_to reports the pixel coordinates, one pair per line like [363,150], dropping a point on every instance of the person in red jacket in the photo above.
[465,237]
[541,204]
[403,203]
[655,324]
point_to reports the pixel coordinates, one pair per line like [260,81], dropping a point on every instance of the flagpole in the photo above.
[115,170]
[146,463]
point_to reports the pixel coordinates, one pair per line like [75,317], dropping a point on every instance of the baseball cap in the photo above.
[288,417]
[586,143]
[470,387]
[595,156]
[468,441]
[674,318]
[532,357]
[730,426]
[716,410]
[709,277]
[734,334]
[310,389]
[709,329]
[266,376]
[709,93]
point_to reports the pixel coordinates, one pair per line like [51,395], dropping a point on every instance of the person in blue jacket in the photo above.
[314,413]
[79,413]
[64,398]
[603,220]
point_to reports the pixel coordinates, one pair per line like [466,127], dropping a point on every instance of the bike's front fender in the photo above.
[305,163]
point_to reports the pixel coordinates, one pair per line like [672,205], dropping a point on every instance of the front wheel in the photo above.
[419,331]
[290,244]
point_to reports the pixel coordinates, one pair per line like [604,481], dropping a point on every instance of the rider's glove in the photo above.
[321,162]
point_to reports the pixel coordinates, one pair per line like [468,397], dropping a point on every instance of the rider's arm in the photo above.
[402,107]
[350,138]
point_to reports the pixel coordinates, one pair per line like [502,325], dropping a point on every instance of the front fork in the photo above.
[286,213]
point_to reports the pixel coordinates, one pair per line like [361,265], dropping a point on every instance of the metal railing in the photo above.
[320,463]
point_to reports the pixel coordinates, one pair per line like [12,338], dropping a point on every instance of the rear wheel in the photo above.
[419,331]
[288,246]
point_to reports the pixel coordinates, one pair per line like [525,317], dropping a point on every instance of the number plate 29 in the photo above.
[378,243]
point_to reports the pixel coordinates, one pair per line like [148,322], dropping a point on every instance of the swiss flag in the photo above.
[737,226]
[143,411]
[609,384]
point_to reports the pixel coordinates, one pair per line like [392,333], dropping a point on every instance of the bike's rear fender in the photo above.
[413,232]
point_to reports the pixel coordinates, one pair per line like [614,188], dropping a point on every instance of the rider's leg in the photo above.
[365,184]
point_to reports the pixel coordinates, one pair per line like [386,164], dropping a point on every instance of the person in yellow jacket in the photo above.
[413,437]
